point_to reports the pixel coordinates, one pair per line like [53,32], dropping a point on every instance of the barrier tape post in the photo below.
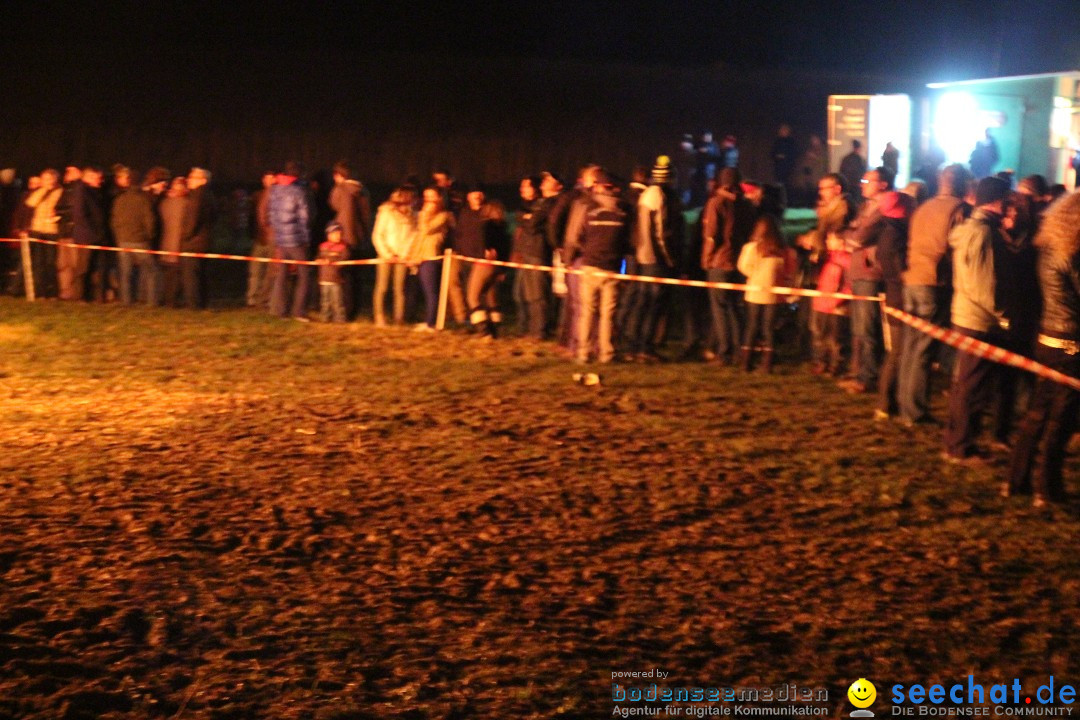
[28,270]
[444,288]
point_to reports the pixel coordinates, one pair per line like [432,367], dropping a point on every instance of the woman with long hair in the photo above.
[393,235]
[766,263]
[434,225]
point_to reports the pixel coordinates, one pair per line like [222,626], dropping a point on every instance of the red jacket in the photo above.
[834,279]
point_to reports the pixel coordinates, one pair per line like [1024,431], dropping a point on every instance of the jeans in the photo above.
[480,295]
[723,305]
[572,308]
[760,322]
[383,274]
[278,296]
[138,278]
[865,333]
[913,388]
[430,276]
[643,311]
[599,296]
[331,303]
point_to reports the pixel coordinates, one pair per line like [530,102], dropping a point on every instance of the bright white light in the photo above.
[890,121]
[958,125]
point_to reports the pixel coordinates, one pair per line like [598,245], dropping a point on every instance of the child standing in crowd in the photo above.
[332,251]
[766,263]
[829,321]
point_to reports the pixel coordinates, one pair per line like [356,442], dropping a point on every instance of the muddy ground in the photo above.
[223,515]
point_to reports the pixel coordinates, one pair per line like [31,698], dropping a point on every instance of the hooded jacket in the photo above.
[974,303]
[288,211]
[1059,268]
[349,200]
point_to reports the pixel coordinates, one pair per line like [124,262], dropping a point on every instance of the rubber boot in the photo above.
[744,358]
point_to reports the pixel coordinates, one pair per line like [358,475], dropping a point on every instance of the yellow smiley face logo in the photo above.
[862,693]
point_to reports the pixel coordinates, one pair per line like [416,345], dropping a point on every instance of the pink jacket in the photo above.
[834,278]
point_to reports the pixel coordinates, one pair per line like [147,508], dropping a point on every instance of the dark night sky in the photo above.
[913,39]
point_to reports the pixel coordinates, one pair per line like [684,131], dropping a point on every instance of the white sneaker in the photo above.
[423,327]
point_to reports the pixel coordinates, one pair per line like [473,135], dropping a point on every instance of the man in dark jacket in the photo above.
[351,204]
[895,210]
[1051,418]
[861,240]
[600,240]
[198,223]
[134,225]
[656,237]
[727,221]
[531,287]
[88,228]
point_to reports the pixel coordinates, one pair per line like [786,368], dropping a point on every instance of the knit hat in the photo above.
[661,170]
[990,189]
[896,205]
[333,226]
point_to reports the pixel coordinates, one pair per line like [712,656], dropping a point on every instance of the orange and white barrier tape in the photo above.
[207,256]
[949,337]
[981,349]
[801,292]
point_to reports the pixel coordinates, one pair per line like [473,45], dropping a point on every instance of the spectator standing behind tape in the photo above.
[928,288]
[862,237]
[1051,417]
[393,235]
[655,238]
[289,211]
[45,225]
[766,263]
[598,244]
[171,212]
[565,222]
[976,313]
[87,228]
[481,233]
[727,221]
[351,204]
[434,231]
[134,227]
[896,209]
[198,222]
[261,274]
[531,287]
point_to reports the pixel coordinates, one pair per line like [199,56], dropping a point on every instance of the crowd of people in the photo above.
[996,262]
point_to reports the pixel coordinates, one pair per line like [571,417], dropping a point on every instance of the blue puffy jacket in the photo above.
[288,212]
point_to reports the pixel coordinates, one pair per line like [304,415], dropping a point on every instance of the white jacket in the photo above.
[394,231]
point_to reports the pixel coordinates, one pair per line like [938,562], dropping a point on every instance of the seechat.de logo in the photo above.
[862,694]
